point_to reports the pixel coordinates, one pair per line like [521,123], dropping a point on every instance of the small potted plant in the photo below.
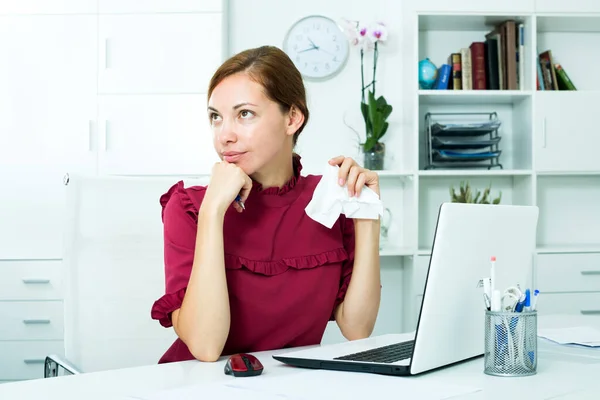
[465,195]
[375,110]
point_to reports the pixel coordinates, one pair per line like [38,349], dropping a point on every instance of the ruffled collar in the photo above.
[287,187]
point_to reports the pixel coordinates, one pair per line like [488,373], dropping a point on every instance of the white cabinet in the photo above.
[571,6]
[154,135]
[165,53]
[159,6]
[472,6]
[566,138]
[48,7]
[48,104]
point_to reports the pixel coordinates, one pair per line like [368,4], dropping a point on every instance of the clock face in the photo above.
[317,46]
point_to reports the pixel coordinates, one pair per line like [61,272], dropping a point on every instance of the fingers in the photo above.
[336,160]
[352,179]
[246,188]
[345,170]
[360,183]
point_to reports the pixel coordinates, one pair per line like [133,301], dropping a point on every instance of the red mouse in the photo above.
[243,364]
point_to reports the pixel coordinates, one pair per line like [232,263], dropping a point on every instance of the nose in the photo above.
[226,134]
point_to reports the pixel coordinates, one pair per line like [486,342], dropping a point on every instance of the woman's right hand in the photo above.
[226,183]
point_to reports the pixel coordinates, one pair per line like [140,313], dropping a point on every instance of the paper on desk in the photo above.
[327,385]
[330,200]
[579,335]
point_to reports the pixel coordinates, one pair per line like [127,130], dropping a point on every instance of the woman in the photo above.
[257,273]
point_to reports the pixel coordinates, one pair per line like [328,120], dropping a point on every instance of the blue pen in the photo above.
[527,300]
[238,199]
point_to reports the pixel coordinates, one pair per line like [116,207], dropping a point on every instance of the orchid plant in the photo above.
[375,110]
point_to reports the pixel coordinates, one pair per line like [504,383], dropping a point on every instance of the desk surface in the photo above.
[564,372]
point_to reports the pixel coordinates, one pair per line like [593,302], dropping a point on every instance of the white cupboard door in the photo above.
[154,135]
[159,6]
[567,138]
[48,7]
[165,53]
[48,105]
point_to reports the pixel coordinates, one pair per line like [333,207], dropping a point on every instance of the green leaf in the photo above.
[386,111]
[384,129]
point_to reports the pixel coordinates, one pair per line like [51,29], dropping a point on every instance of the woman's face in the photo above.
[248,128]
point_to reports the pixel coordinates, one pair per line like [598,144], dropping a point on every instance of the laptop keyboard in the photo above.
[386,354]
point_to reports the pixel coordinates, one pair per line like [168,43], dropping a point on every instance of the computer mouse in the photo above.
[243,364]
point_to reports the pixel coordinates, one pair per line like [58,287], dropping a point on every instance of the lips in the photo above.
[232,156]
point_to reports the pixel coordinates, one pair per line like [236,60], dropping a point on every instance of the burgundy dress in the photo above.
[286,273]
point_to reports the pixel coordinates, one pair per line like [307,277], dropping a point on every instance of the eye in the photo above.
[213,117]
[246,113]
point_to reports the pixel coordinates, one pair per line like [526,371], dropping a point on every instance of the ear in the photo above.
[295,119]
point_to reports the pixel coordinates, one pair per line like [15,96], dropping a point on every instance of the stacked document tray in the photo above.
[463,144]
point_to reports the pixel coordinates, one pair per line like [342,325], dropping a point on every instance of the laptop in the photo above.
[450,327]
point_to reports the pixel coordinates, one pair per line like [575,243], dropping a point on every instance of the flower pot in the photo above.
[373,158]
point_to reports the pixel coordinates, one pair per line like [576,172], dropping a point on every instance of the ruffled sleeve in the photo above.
[348,264]
[179,217]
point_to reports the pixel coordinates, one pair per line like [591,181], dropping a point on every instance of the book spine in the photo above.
[443,77]
[562,76]
[456,71]
[467,78]
[478,65]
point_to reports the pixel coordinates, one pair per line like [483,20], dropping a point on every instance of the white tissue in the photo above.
[330,200]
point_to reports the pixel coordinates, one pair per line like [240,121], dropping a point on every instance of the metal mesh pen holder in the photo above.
[510,343]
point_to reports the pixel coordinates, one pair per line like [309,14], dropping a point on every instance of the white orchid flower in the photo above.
[378,32]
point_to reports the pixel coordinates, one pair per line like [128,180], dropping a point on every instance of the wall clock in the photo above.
[317,46]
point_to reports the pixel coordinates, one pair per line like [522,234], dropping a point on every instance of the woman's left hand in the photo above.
[356,176]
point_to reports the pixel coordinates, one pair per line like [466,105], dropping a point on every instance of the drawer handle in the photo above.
[35,280]
[590,312]
[590,272]
[34,361]
[36,321]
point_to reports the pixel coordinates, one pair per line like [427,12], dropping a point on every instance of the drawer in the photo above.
[569,303]
[31,320]
[25,360]
[30,280]
[578,272]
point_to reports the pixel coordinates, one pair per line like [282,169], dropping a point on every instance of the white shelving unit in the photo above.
[549,145]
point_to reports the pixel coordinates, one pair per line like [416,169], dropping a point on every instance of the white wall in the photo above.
[265,22]
[262,22]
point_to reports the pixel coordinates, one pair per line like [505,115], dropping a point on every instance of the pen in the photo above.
[487,301]
[493,274]
[527,300]
[536,294]
[238,199]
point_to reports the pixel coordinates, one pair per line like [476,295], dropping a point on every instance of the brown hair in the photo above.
[274,70]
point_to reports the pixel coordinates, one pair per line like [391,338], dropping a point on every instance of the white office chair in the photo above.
[114,271]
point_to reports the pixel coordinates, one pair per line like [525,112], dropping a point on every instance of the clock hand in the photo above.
[313,44]
[309,49]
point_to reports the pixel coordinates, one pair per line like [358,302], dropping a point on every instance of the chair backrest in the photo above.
[114,271]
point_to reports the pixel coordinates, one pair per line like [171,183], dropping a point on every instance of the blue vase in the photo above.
[427,74]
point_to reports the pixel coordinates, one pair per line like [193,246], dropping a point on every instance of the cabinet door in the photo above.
[155,135]
[567,138]
[48,103]
[165,53]
[159,6]
[48,7]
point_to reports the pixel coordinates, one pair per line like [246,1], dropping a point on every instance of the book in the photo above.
[456,71]
[478,65]
[563,80]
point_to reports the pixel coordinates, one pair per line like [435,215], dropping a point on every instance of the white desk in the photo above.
[564,372]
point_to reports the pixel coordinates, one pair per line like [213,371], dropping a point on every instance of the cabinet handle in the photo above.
[590,272]
[544,132]
[90,137]
[35,280]
[590,312]
[34,361]
[104,53]
[33,321]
